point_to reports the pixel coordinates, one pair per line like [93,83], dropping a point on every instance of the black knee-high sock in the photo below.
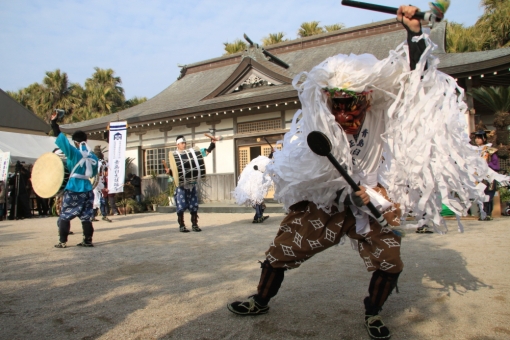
[381,286]
[63,230]
[88,231]
[180,219]
[270,281]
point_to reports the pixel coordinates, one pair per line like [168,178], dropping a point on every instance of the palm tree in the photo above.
[498,100]
[310,28]
[81,114]
[273,38]
[57,92]
[495,21]
[134,101]
[29,97]
[461,39]
[103,92]
[334,27]
[237,46]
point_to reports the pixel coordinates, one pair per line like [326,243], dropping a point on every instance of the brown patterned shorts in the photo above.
[307,230]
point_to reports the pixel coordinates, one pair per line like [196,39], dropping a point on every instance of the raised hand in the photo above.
[405,16]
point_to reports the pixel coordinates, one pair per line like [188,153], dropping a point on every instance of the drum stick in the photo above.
[436,14]
[166,168]
[320,144]
[268,143]
[216,138]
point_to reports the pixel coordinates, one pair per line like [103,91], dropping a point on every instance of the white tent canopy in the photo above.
[27,148]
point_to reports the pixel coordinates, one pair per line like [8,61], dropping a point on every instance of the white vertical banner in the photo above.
[116,157]
[4,165]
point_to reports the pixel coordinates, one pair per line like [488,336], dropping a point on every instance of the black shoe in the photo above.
[376,328]
[61,245]
[106,219]
[71,233]
[195,228]
[250,307]
[265,218]
[83,244]
[424,230]
[183,229]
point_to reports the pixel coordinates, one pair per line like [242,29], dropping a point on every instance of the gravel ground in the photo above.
[145,280]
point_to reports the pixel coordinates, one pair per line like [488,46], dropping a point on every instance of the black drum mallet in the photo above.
[436,13]
[320,144]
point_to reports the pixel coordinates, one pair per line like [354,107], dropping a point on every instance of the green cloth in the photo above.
[446,211]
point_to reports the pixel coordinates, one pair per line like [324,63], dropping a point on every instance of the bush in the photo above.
[505,194]
[131,204]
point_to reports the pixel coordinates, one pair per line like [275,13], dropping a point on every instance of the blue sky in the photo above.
[143,41]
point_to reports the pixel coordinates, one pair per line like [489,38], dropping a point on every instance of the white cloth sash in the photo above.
[89,162]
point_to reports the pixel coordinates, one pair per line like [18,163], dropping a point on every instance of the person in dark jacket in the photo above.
[489,154]
[136,182]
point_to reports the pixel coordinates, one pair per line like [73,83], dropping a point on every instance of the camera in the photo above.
[60,114]
[18,166]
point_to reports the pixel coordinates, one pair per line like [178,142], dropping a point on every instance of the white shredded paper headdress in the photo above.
[253,184]
[428,160]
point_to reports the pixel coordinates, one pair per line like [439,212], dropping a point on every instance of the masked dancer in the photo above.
[398,127]
[253,185]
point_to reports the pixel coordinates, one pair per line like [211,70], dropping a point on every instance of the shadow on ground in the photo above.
[150,281]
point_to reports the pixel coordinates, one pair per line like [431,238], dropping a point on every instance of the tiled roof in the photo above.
[13,115]
[186,96]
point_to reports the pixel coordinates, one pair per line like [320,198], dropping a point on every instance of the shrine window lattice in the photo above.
[261,125]
[153,158]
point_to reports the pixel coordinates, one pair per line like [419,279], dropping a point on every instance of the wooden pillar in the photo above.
[214,153]
[471,106]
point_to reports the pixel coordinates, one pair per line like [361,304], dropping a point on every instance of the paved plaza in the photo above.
[145,280]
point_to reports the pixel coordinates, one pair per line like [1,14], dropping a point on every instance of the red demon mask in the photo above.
[350,110]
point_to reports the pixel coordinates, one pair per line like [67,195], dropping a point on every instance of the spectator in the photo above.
[20,203]
[2,200]
[136,182]
[489,154]
[111,197]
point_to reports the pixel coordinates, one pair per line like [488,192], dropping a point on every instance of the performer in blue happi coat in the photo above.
[78,195]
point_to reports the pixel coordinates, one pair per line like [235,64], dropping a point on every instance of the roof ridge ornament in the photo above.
[184,68]
[252,44]
[268,56]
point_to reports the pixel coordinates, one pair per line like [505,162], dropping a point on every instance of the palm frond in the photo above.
[495,98]
[273,38]
[310,28]
[237,46]
[334,27]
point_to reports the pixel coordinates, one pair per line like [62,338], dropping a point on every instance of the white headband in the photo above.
[180,140]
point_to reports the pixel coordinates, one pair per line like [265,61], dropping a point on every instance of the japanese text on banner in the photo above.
[117,152]
[4,165]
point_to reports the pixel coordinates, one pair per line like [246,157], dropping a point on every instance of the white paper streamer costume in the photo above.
[253,184]
[415,124]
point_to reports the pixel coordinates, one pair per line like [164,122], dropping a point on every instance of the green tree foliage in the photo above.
[334,27]
[237,46]
[134,101]
[307,29]
[496,22]
[273,38]
[104,93]
[491,31]
[498,100]
[461,39]
[101,96]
